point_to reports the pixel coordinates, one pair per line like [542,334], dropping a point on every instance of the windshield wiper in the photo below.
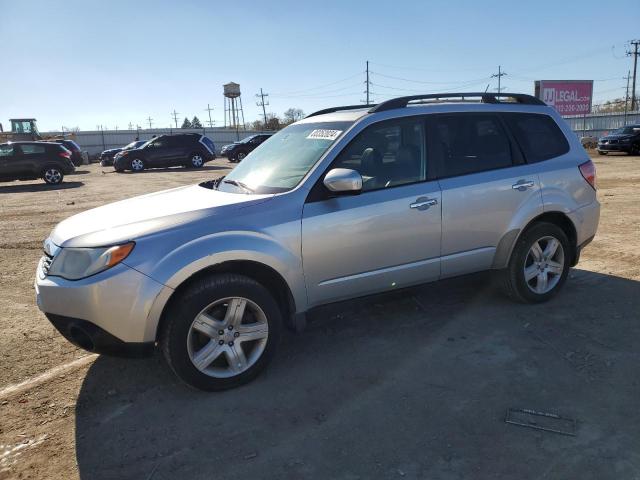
[239,184]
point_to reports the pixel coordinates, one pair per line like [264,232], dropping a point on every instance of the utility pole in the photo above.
[209,109]
[149,119]
[175,117]
[626,97]
[635,53]
[367,83]
[499,75]
[130,126]
[263,104]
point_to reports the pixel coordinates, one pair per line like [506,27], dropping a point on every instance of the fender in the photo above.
[207,251]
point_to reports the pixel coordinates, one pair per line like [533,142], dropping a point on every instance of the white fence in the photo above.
[599,124]
[96,141]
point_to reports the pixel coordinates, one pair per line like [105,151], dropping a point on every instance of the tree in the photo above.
[293,115]
[611,106]
[186,123]
[195,123]
[273,122]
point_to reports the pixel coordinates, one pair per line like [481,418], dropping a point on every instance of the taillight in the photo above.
[64,154]
[588,171]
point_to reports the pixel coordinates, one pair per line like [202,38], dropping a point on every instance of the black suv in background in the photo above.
[74,148]
[31,160]
[186,149]
[236,151]
[106,157]
[625,139]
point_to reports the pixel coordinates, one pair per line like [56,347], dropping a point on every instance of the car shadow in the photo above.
[176,169]
[18,187]
[414,381]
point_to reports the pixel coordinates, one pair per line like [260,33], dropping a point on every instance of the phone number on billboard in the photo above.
[573,108]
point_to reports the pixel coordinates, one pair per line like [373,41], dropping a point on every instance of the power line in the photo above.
[263,104]
[294,92]
[428,82]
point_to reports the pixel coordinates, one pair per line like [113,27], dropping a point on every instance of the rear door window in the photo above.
[538,135]
[32,149]
[468,143]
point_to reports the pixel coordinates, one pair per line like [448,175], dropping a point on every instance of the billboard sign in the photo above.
[568,97]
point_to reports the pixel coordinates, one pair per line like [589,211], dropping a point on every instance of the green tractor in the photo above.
[22,129]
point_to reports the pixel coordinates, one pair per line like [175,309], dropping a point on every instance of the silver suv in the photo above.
[348,202]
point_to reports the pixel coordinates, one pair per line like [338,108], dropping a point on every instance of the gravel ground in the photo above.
[413,384]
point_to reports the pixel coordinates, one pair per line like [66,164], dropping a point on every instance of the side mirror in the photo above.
[343,180]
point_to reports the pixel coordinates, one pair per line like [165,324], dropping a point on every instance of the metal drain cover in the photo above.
[549,422]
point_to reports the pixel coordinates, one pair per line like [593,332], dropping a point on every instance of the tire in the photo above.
[523,261]
[602,153]
[52,175]
[203,307]
[196,160]
[239,156]
[118,169]
[635,149]
[137,165]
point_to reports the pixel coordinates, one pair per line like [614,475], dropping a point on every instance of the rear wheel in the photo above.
[196,160]
[602,153]
[635,149]
[221,332]
[539,264]
[52,175]
[137,165]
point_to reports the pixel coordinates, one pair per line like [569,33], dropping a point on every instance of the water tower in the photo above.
[233,106]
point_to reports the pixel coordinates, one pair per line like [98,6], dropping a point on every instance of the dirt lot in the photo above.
[413,384]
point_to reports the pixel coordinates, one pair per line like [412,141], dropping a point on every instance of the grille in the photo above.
[46,262]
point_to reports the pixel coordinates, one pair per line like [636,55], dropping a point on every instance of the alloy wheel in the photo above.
[544,265]
[196,161]
[137,164]
[227,337]
[241,155]
[53,176]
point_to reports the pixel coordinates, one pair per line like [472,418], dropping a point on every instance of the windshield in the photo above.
[133,145]
[627,130]
[280,162]
[248,139]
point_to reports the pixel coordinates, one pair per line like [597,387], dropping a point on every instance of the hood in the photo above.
[112,150]
[147,214]
[617,136]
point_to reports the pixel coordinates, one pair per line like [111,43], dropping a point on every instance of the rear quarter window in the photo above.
[29,149]
[538,135]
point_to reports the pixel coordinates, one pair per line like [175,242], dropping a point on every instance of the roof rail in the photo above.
[337,109]
[486,97]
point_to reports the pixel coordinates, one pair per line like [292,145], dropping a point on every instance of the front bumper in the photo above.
[616,147]
[118,301]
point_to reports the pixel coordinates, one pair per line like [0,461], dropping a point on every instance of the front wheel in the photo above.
[137,165]
[539,264]
[53,176]
[238,157]
[221,332]
[602,153]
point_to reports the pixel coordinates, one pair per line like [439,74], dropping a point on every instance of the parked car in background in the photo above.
[31,160]
[344,203]
[77,155]
[236,151]
[106,157]
[185,149]
[625,139]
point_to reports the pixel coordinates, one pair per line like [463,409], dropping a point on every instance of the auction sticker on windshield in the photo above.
[321,134]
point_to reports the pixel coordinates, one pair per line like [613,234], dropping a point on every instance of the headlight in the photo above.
[77,263]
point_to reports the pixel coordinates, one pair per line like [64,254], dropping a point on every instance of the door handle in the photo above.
[522,185]
[423,203]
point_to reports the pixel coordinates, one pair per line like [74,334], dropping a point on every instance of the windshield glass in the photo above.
[132,145]
[626,130]
[247,139]
[280,162]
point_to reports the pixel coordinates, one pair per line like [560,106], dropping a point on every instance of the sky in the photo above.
[89,63]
